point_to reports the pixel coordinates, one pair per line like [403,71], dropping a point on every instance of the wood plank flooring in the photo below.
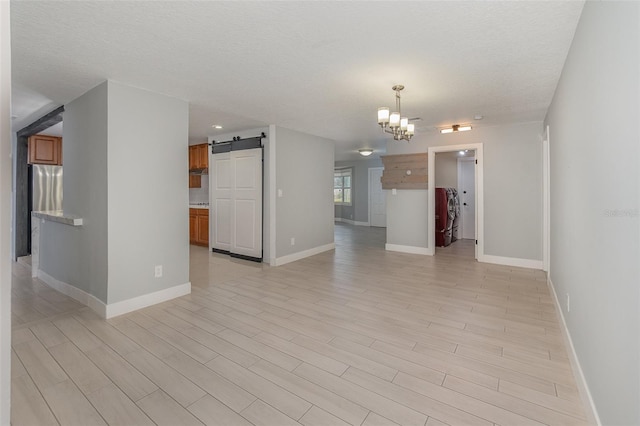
[358,336]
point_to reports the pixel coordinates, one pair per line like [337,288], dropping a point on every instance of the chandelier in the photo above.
[393,123]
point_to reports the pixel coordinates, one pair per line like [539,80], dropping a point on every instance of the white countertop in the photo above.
[198,206]
[59,216]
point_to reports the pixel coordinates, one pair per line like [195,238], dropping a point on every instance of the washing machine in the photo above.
[456,218]
[445,213]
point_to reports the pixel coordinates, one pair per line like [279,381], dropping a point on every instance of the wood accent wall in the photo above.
[405,171]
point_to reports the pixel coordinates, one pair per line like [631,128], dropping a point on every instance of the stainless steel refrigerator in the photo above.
[47,188]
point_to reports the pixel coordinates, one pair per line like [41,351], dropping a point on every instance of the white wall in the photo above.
[446,170]
[5,213]
[304,173]
[147,154]
[512,190]
[358,211]
[78,256]
[594,148]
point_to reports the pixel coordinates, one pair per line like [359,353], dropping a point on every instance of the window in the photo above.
[342,187]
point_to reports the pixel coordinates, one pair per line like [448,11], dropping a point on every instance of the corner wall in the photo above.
[121,142]
[512,191]
[594,149]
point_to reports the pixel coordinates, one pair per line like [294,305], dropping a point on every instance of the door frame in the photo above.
[479,183]
[369,196]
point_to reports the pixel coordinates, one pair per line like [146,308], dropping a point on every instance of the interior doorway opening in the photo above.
[455,179]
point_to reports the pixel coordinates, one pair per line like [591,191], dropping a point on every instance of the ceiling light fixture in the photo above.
[456,128]
[365,152]
[393,123]
[217,126]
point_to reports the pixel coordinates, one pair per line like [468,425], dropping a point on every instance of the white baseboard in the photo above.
[406,249]
[107,311]
[511,261]
[302,254]
[135,303]
[583,388]
[350,222]
[75,293]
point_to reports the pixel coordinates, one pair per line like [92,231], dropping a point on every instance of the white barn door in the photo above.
[221,194]
[236,191]
[246,168]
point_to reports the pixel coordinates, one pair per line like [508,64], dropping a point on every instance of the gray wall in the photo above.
[147,154]
[512,190]
[594,149]
[78,256]
[446,170]
[125,156]
[304,173]
[358,211]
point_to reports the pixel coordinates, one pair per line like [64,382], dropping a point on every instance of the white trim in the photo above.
[114,309]
[581,381]
[75,293]
[350,222]
[431,208]
[135,303]
[407,249]
[369,195]
[302,254]
[511,261]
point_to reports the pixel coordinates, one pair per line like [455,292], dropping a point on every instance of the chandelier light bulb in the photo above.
[383,116]
[394,120]
[404,122]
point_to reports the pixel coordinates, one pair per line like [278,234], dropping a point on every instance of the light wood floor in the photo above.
[358,336]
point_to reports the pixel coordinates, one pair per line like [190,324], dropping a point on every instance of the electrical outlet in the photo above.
[568,303]
[158,271]
[293,241]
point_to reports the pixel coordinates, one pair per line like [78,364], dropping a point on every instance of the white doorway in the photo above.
[467,196]
[479,196]
[377,199]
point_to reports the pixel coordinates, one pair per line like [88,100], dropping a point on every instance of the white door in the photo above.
[236,208]
[467,195]
[246,237]
[220,207]
[377,199]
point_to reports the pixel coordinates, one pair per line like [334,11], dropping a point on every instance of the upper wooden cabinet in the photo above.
[44,149]
[198,156]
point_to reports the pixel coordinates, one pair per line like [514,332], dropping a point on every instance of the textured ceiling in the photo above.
[318,67]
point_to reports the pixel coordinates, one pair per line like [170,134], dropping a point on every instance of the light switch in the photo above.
[279,192]
[394,191]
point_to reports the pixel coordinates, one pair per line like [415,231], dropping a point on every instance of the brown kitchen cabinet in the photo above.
[44,149]
[195,181]
[199,227]
[198,156]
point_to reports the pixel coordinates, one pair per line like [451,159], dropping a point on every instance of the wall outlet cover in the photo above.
[158,271]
